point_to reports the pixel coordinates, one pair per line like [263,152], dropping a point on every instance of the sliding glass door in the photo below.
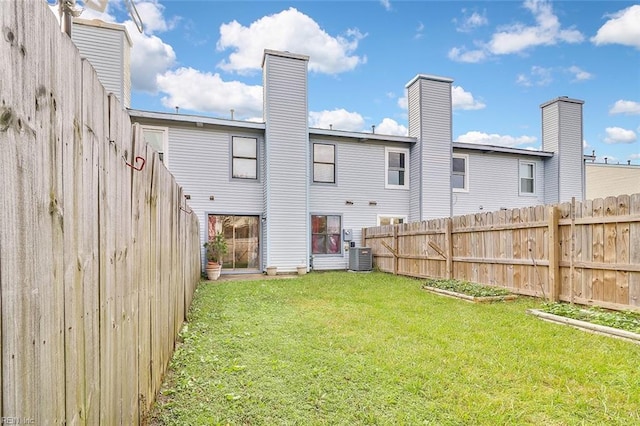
[242,235]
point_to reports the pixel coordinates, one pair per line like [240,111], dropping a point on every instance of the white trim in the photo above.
[466,172]
[405,151]
[165,140]
[534,171]
[404,217]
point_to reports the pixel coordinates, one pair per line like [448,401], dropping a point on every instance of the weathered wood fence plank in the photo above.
[80,256]
[541,251]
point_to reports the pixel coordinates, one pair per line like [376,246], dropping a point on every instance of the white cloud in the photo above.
[471,21]
[623,28]
[579,74]
[625,107]
[419,31]
[386,4]
[152,15]
[338,119]
[634,156]
[518,37]
[461,54]
[293,31]
[617,135]
[402,102]
[389,126]
[538,76]
[194,90]
[462,99]
[495,139]
[150,57]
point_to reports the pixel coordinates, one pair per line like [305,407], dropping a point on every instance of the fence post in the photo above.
[395,249]
[363,237]
[449,248]
[554,255]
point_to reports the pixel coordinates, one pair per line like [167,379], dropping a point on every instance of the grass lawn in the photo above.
[344,348]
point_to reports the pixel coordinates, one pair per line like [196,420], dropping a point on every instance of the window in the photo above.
[325,234]
[157,138]
[527,177]
[459,175]
[244,152]
[391,219]
[397,160]
[324,163]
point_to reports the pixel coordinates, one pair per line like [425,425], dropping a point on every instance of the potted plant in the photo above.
[215,249]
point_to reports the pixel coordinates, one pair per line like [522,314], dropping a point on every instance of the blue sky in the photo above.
[505,57]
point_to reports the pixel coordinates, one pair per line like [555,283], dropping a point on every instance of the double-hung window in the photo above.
[527,178]
[244,162]
[325,234]
[396,168]
[158,139]
[324,163]
[459,173]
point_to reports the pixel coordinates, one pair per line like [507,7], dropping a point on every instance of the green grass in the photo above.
[467,288]
[629,321]
[360,349]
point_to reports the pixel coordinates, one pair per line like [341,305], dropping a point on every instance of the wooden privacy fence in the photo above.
[587,252]
[99,254]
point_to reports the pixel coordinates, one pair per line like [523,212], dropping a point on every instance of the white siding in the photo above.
[435,121]
[413,102]
[550,143]
[610,180]
[562,135]
[105,50]
[494,183]
[287,157]
[571,159]
[360,179]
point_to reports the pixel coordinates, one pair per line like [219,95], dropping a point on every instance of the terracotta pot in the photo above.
[213,271]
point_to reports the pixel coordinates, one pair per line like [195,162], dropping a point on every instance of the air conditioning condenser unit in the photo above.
[360,259]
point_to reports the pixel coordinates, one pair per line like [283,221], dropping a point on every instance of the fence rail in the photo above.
[586,252]
[99,256]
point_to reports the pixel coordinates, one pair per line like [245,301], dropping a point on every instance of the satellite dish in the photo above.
[99,5]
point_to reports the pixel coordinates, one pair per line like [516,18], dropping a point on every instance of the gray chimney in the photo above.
[429,105]
[107,47]
[562,135]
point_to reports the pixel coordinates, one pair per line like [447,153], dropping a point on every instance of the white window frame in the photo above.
[466,172]
[392,216]
[165,140]
[247,158]
[407,163]
[520,177]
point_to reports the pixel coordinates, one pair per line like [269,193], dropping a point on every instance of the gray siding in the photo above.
[571,159]
[494,183]
[413,104]
[550,142]
[436,148]
[105,50]
[360,177]
[200,161]
[287,157]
